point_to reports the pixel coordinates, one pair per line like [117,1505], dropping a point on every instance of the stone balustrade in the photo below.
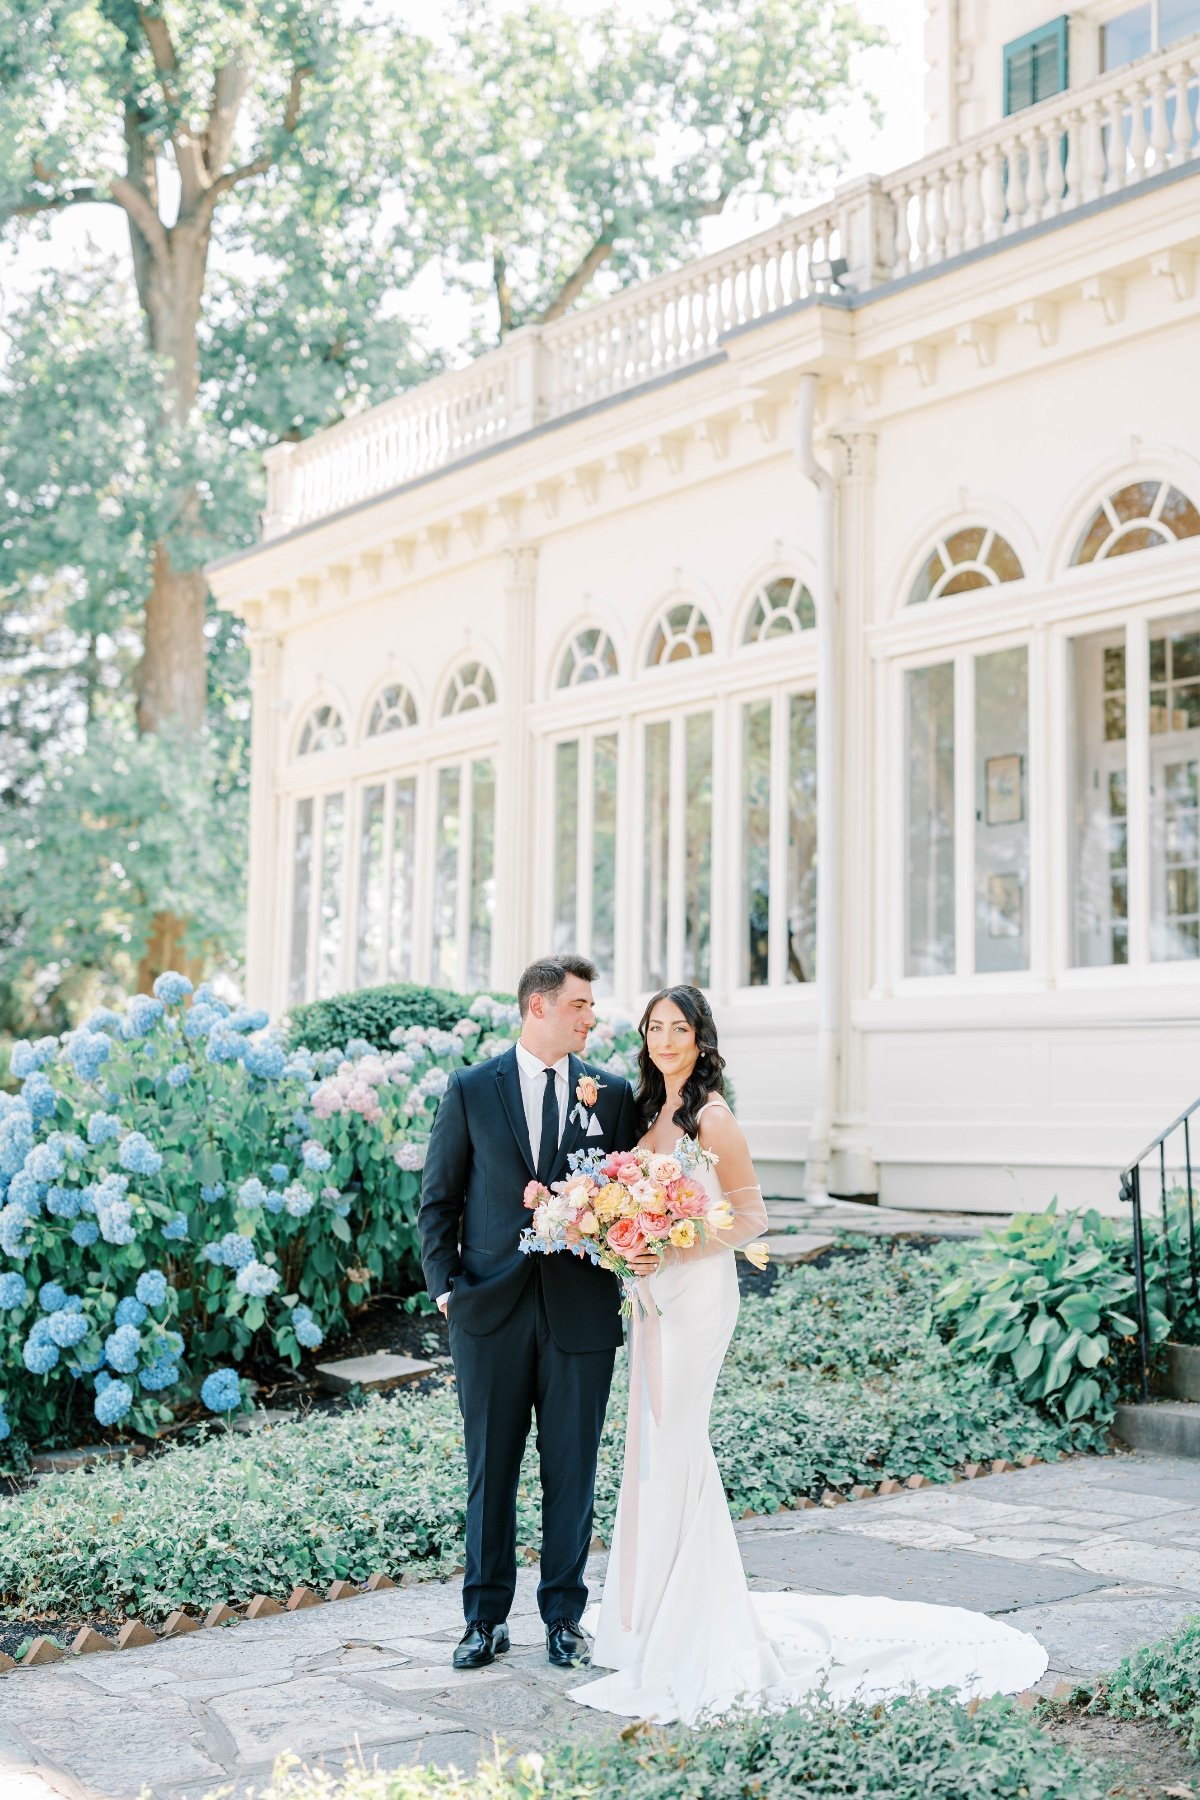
[1041,163]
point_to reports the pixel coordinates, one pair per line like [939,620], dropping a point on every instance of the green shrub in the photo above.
[1159,1682]
[833,1377]
[1050,1300]
[373,1014]
[915,1748]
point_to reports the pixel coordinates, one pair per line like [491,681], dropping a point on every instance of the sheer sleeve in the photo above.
[735,1172]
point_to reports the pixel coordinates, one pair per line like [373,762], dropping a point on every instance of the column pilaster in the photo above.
[264,906]
[516,838]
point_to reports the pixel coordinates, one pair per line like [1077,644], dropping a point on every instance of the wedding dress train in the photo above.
[688,1638]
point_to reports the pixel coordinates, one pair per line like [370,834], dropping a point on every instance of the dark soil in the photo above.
[1148,1760]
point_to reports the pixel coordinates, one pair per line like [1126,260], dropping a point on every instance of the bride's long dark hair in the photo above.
[707,1076]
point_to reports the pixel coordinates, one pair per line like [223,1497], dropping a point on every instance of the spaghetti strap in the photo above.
[716,1100]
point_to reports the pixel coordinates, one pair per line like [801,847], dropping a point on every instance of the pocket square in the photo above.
[595,1128]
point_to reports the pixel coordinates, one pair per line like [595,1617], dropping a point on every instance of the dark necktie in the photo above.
[549,1145]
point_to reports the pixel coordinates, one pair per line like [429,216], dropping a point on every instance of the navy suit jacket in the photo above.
[473,1212]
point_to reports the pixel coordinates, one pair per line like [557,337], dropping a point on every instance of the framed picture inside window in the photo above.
[1005,789]
[1006,905]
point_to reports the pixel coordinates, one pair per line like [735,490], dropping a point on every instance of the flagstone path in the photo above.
[1094,1556]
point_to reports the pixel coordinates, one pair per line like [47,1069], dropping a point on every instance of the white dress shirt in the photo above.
[532,1071]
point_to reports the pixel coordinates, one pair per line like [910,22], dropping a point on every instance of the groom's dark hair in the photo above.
[547,975]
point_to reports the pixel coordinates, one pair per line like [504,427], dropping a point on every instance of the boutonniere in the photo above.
[587,1092]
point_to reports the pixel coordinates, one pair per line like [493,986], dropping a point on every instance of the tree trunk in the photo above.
[171,677]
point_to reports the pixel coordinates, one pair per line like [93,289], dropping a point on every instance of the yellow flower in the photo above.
[683,1234]
[607,1203]
[758,1255]
[588,1223]
[721,1217]
[631,1206]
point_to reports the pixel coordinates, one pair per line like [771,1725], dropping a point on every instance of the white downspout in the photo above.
[817,1158]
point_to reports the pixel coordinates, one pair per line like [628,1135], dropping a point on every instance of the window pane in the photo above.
[1177,19]
[654,855]
[1099,891]
[329,947]
[930,826]
[756,841]
[1001,811]
[604,859]
[1125,38]
[301,899]
[802,838]
[566,845]
[483,883]
[404,852]
[369,967]
[1175,793]
[697,919]
[445,881]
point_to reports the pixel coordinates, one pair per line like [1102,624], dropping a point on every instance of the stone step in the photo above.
[376,1372]
[1181,1378]
[1166,1427]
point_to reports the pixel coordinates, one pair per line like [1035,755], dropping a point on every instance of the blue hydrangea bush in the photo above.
[181,1195]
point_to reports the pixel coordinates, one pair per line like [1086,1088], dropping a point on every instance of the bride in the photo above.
[677,1624]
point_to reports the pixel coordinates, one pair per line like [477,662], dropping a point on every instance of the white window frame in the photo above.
[779,694]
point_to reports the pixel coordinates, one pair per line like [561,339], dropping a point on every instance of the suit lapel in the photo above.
[508,1080]
[572,1135]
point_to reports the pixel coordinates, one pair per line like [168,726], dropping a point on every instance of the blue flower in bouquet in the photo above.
[63,1202]
[112,1402]
[200,1019]
[142,1014]
[13,1292]
[212,1193]
[67,1328]
[151,1288]
[171,987]
[116,1222]
[224,1046]
[252,1194]
[27,1057]
[298,1200]
[179,1074]
[175,1230]
[40,1352]
[14,1224]
[308,1332]
[51,1295]
[130,1311]
[162,1373]
[316,1157]
[265,1059]
[233,1251]
[85,1233]
[88,1051]
[221,1391]
[24,1191]
[38,1095]
[138,1154]
[122,1348]
[257,1280]
[101,1127]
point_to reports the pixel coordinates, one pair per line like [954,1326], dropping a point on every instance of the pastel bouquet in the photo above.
[616,1205]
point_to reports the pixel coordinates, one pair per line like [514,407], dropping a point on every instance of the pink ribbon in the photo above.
[645,1359]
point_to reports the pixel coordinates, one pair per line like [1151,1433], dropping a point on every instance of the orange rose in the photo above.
[587,1090]
[653,1225]
[625,1238]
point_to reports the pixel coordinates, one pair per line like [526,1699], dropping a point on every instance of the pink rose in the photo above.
[629,1170]
[653,1225]
[625,1238]
[534,1194]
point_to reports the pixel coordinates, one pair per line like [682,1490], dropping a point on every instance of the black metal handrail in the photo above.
[1131,1192]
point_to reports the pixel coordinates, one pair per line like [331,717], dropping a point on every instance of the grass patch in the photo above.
[835,1376]
[912,1749]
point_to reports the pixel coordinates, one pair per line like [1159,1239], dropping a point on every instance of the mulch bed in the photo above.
[1149,1760]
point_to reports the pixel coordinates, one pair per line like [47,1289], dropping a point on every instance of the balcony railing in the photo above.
[1038,165]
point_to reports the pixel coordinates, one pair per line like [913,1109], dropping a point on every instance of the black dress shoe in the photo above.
[480,1644]
[567,1645]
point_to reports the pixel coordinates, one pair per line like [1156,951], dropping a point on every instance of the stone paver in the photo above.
[1094,1557]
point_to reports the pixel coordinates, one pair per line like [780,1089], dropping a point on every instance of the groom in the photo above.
[527,1333]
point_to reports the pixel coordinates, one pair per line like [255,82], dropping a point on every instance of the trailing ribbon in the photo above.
[645,1366]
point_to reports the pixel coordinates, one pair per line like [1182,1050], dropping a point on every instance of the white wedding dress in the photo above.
[698,1642]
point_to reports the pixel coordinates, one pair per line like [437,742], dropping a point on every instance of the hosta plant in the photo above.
[1051,1299]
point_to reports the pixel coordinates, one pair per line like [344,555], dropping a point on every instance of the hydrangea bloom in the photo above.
[16,1136]
[316,1157]
[85,1233]
[46,1162]
[104,1019]
[5,1427]
[151,1288]
[308,1332]
[116,1222]
[102,1126]
[221,1391]
[67,1328]
[88,1051]
[171,987]
[38,1095]
[278,1172]
[200,1019]
[112,1401]
[141,1015]
[410,1156]
[162,1373]
[298,1201]
[51,1295]
[130,1311]
[224,1046]
[14,1224]
[265,1060]
[63,1202]
[252,1193]
[257,1280]
[25,1192]
[27,1057]
[39,1354]
[212,1193]
[179,1075]
[13,1291]
[233,1250]
[274,1202]
[248,1018]
[121,1349]
[176,1229]
[138,1154]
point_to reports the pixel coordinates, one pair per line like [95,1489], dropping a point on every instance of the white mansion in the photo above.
[819,623]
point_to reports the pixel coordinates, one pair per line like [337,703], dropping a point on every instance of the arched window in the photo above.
[681,633]
[394,710]
[471,685]
[323,730]
[975,557]
[1138,517]
[588,657]
[781,608]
